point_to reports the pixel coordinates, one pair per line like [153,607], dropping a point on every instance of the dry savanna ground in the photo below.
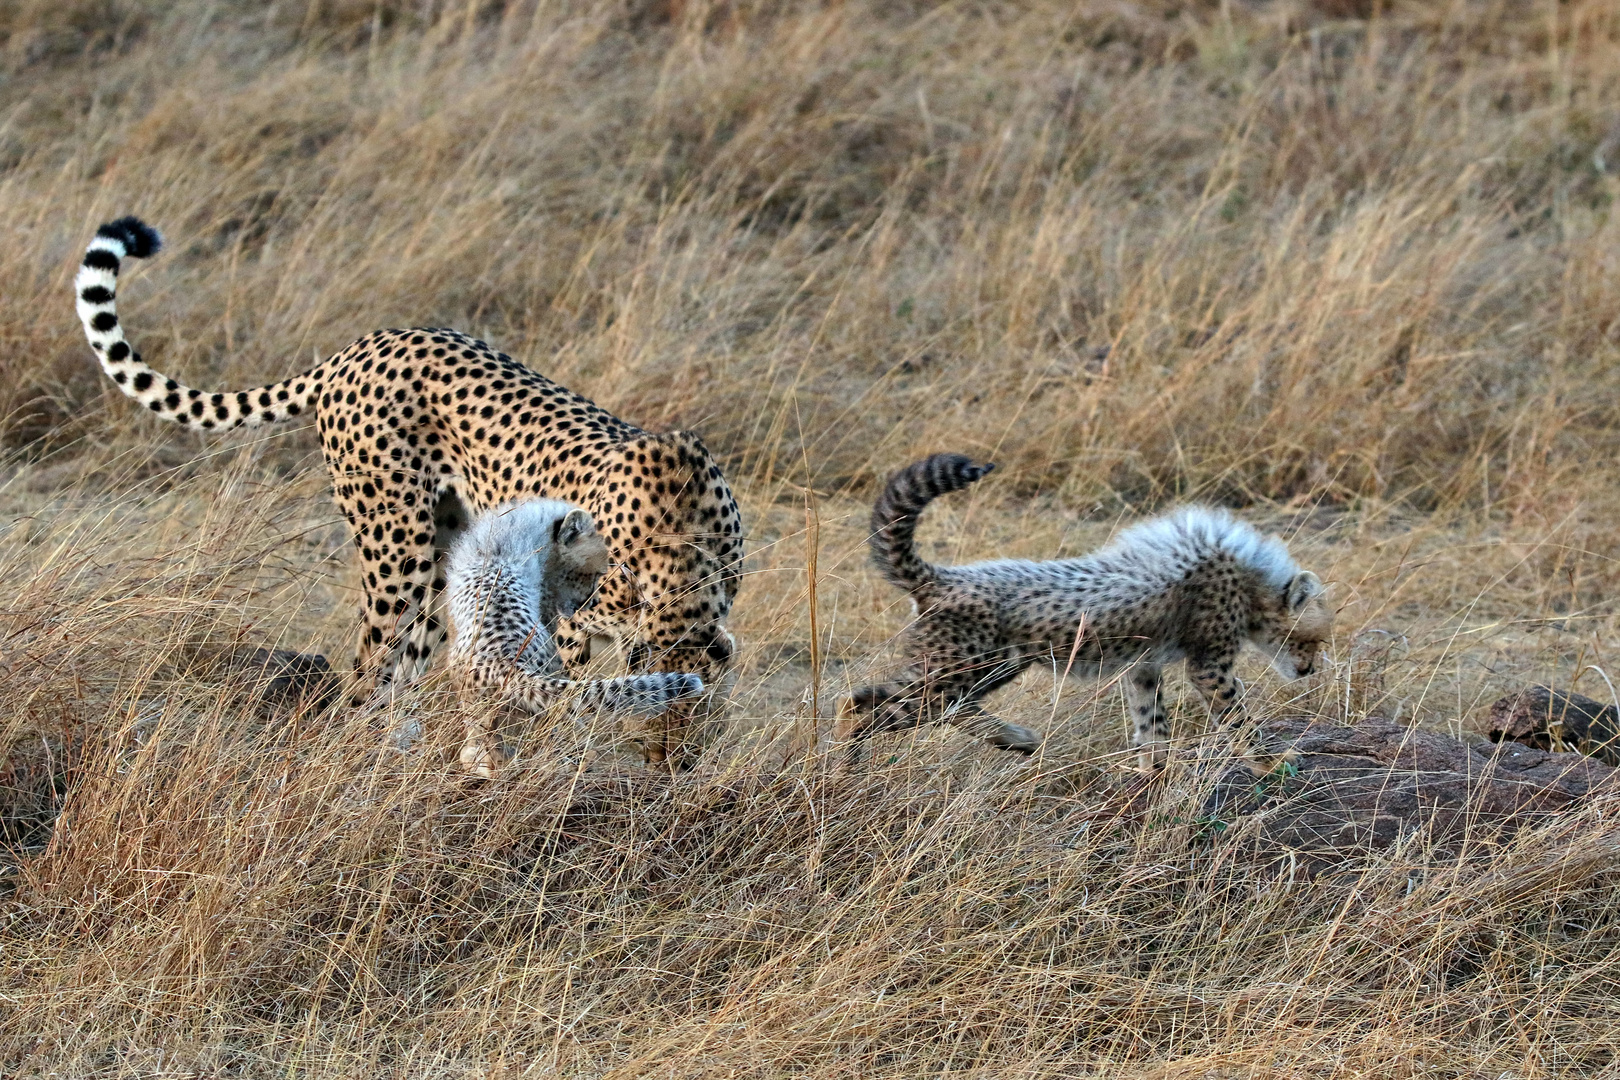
[1351,266]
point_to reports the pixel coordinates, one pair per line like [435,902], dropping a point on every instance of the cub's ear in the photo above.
[1304,587]
[572,527]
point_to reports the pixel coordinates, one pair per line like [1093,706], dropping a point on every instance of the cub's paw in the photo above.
[1012,737]
[1273,766]
[482,756]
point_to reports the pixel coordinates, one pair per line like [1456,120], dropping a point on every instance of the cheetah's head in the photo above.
[579,558]
[673,525]
[1291,634]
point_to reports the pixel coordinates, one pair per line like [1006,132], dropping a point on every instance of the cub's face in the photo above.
[578,559]
[1293,632]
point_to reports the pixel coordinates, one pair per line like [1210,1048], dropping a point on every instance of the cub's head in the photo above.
[574,561]
[1291,629]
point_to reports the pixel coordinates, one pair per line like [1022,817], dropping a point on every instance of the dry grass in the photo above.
[1350,266]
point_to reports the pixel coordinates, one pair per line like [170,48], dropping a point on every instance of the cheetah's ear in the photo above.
[572,527]
[1304,587]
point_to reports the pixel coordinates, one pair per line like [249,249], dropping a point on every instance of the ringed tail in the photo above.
[647,694]
[96,290]
[904,497]
[644,694]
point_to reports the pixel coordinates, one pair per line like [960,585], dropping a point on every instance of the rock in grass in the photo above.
[1365,788]
[288,679]
[1549,719]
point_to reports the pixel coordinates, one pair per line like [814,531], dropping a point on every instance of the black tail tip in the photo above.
[140,240]
[955,471]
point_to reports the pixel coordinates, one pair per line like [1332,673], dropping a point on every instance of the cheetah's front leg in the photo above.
[572,642]
[399,576]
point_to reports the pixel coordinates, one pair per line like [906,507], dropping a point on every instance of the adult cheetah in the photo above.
[1195,584]
[421,427]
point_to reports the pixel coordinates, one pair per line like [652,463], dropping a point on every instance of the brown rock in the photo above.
[1551,719]
[1359,789]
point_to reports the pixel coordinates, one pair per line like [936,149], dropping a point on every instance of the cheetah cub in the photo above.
[512,574]
[1195,584]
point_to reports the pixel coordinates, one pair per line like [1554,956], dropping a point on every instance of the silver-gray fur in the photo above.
[1194,584]
[514,571]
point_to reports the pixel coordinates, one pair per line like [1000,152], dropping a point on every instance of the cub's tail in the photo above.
[643,694]
[894,517]
[646,695]
[96,288]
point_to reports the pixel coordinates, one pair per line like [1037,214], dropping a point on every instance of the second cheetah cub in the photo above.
[515,570]
[1195,584]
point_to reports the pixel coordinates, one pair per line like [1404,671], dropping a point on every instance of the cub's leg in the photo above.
[993,669]
[1150,726]
[481,752]
[875,710]
[1211,674]
[971,718]
[954,669]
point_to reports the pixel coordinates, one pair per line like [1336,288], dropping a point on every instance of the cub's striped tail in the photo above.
[96,287]
[894,517]
[642,694]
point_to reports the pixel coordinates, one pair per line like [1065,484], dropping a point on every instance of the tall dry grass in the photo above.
[1349,266]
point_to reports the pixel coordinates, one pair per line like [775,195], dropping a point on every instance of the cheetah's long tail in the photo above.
[96,288]
[894,517]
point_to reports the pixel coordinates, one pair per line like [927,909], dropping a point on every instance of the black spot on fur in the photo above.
[104,321]
[96,294]
[101,259]
[143,380]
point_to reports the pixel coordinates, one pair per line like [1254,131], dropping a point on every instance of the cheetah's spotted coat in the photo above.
[1195,585]
[419,426]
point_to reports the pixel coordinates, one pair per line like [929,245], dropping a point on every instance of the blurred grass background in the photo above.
[1347,266]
